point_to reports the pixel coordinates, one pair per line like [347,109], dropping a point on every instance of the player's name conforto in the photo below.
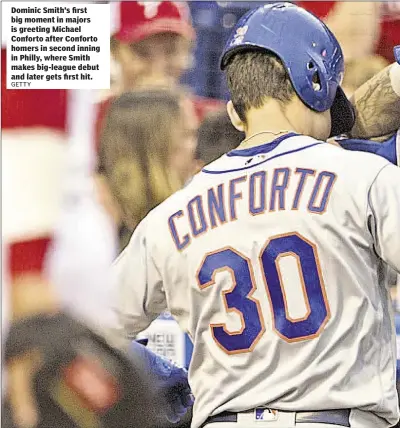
[283,189]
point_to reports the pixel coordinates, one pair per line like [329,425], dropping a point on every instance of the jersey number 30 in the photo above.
[239,298]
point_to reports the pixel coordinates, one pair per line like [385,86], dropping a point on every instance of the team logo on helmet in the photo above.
[239,35]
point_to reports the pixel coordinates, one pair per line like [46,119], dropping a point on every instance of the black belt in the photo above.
[328,417]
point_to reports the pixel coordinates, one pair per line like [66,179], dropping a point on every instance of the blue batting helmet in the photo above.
[307,48]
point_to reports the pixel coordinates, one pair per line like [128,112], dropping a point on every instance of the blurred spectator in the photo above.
[46,174]
[152,43]
[390,29]
[355,24]
[183,158]
[152,47]
[34,134]
[216,137]
[143,132]
[360,71]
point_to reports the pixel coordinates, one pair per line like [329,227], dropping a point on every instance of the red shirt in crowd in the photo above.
[390,23]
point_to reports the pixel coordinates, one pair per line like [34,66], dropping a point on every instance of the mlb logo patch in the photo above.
[265,415]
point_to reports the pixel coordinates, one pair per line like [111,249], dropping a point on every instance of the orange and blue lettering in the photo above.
[233,196]
[260,178]
[313,204]
[318,312]
[195,210]
[304,173]
[179,243]
[216,206]
[278,187]
[238,299]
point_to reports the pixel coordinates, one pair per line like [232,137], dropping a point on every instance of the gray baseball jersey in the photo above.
[274,260]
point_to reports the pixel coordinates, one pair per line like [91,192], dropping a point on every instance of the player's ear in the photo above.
[234,117]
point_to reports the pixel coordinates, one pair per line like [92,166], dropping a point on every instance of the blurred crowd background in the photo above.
[164,116]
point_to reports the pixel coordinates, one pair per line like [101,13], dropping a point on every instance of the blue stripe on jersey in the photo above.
[387,149]
[264,148]
[207,171]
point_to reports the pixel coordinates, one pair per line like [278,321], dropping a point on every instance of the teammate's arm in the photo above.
[139,287]
[377,105]
[384,215]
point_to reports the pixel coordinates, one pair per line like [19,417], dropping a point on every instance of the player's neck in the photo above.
[265,126]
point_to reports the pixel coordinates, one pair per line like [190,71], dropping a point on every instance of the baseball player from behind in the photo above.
[274,257]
